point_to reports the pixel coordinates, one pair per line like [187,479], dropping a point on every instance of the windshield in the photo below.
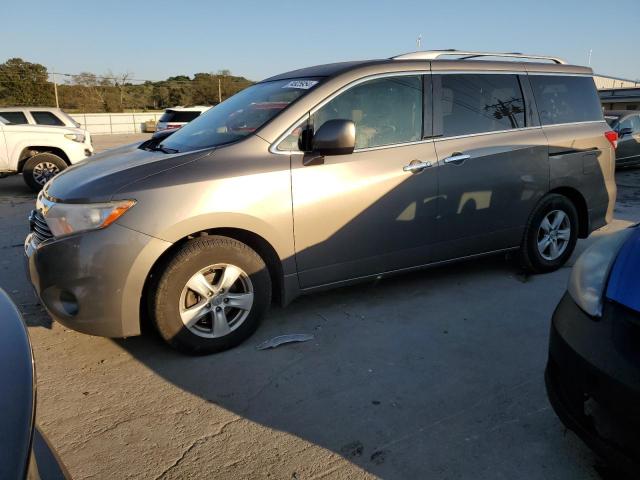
[68,117]
[239,116]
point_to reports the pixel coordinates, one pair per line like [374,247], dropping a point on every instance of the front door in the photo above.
[374,210]
[492,169]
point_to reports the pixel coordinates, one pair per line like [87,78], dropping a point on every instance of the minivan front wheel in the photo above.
[550,235]
[211,295]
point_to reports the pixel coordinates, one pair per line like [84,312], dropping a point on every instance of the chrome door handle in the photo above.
[416,166]
[457,158]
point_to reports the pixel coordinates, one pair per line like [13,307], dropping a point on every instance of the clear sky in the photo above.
[157,39]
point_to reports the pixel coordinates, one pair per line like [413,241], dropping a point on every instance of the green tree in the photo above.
[25,83]
[205,89]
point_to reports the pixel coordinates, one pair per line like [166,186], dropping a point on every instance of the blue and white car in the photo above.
[593,371]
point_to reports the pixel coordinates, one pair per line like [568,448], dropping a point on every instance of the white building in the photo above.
[605,82]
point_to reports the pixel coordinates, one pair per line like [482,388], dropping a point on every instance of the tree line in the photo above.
[24,83]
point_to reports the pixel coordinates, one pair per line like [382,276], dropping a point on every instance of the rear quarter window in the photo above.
[566,99]
[17,118]
[47,118]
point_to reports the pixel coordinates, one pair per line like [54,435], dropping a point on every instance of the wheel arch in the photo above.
[28,152]
[580,203]
[258,243]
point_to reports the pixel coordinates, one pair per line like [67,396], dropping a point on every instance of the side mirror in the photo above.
[335,137]
[624,131]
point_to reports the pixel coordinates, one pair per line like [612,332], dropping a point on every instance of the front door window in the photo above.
[386,111]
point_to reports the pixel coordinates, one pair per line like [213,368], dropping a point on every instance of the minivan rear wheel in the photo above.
[211,295]
[40,168]
[551,234]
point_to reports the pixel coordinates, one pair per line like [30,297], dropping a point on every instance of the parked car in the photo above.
[177,117]
[626,123]
[24,451]
[593,373]
[371,169]
[53,117]
[40,152]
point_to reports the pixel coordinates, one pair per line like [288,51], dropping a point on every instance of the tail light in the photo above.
[612,137]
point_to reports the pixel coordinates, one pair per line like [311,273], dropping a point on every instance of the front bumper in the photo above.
[77,151]
[593,380]
[92,282]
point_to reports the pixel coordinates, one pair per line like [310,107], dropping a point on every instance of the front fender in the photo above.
[280,240]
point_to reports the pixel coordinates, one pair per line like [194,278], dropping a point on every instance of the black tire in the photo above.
[531,259]
[36,180]
[191,257]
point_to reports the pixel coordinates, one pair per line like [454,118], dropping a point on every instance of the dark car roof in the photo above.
[326,70]
[334,69]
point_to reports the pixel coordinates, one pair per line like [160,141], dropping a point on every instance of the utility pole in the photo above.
[590,52]
[55,88]
[419,41]
[219,90]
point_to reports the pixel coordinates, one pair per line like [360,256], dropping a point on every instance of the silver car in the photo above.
[322,177]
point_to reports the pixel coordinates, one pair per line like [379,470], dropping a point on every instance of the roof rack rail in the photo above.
[465,55]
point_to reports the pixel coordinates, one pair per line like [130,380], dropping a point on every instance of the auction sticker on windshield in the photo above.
[301,84]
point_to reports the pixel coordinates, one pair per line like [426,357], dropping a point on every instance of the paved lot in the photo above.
[104,142]
[436,374]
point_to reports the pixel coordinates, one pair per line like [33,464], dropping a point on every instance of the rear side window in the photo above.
[46,118]
[178,116]
[479,103]
[386,111]
[566,99]
[17,118]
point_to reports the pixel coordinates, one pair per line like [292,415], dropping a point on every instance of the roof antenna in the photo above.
[419,41]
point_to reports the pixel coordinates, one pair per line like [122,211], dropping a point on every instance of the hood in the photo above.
[625,275]
[98,178]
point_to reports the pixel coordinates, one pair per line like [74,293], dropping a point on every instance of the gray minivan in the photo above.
[322,177]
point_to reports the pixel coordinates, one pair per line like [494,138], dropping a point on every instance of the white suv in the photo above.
[53,117]
[39,152]
[176,117]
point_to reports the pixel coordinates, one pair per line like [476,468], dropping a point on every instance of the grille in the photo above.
[39,227]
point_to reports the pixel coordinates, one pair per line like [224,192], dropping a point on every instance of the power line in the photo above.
[125,81]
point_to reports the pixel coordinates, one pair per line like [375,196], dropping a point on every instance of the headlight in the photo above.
[591,272]
[76,137]
[67,218]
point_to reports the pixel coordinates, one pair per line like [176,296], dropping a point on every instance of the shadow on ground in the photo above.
[434,374]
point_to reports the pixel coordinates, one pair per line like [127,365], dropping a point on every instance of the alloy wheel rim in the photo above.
[216,300]
[44,171]
[554,235]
